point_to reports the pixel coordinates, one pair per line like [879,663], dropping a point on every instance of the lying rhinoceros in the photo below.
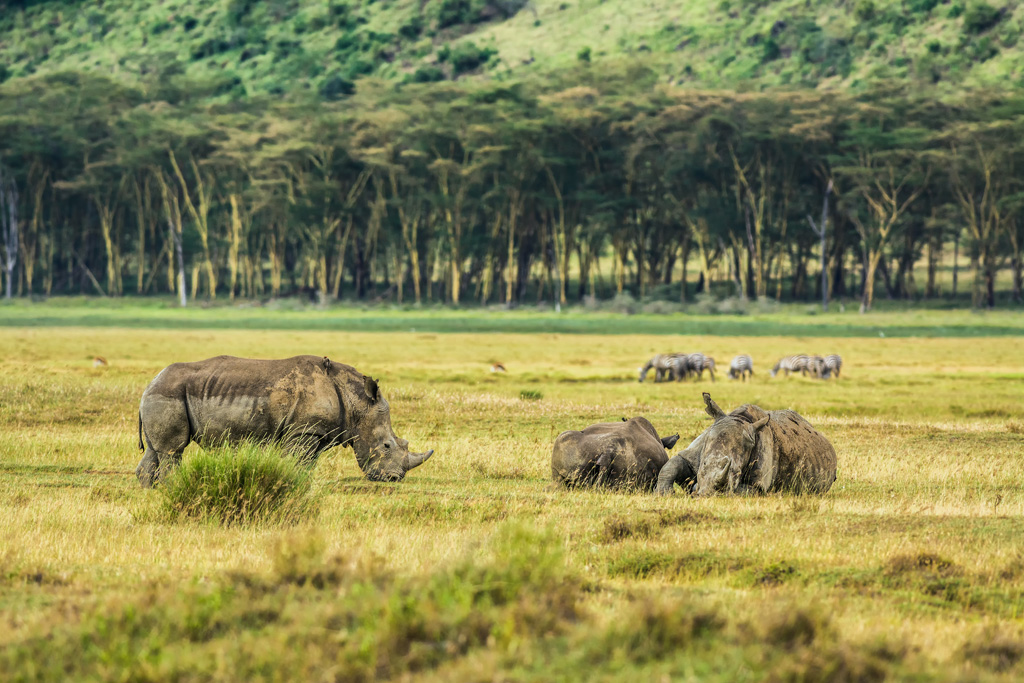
[750,450]
[615,454]
[308,402]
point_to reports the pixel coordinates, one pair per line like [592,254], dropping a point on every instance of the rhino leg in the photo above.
[147,469]
[165,430]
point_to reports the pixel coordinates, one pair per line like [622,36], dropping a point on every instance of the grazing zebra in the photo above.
[665,366]
[697,363]
[816,367]
[833,364]
[741,367]
[790,364]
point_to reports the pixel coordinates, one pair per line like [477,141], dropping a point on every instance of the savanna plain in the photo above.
[475,568]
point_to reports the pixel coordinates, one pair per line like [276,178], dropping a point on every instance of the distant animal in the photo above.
[697,363]
[741,367]
[833,365]
[751,450]
[797,363]
[816,367]
[666,366]
[307,402]
[627,454]
[498,367]
[99,362]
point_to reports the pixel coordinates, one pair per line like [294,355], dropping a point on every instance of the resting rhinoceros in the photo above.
[750,450]
[307,402]
[615,454]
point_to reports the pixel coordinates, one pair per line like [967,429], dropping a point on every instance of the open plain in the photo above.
[475,567]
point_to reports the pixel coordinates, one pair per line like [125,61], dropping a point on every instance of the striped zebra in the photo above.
[666,366]
[832,366]
[697,363]
[741,367]
[816,367]
[797,363]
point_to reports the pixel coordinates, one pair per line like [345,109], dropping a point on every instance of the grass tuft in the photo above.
[250,484]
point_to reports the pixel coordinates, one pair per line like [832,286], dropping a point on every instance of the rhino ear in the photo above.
[669,441]
[711,408]
[759,425]
[372,391]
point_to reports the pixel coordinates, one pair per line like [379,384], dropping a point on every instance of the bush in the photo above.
[466,57]
[426,74]
[453,13]
[583,55]
[980,16]
[248,484]
[412,29]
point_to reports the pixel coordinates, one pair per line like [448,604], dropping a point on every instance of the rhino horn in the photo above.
[416,459]
[711,408]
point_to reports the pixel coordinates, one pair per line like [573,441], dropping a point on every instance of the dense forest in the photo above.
[453,180]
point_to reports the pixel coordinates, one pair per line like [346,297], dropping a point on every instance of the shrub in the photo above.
[411,29]
[426,74]
[980,16]
[248,484]
[865,10]
[583,55]
[453,13]
[530,395]
[770,50]
[467,57]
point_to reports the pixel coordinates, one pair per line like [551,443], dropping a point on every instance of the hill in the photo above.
[281,46]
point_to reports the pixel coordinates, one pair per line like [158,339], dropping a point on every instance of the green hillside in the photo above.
[282,45]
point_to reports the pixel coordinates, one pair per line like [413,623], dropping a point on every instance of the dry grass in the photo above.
[910,565]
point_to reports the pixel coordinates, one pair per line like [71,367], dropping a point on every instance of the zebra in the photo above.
[797,363]
[741,367]
[665,365]
[833,364]
[697,363]
[816,367]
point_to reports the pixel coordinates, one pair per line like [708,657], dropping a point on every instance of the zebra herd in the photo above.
[815,366]
[676,367]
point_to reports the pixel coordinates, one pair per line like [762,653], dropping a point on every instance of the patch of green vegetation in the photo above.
[247,484]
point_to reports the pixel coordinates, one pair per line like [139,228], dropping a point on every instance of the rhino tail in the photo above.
[141,446]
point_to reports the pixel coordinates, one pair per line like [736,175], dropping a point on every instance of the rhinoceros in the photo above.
[307,402]
[751,450]
[614,454]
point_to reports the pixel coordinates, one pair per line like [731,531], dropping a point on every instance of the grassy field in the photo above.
[474,568]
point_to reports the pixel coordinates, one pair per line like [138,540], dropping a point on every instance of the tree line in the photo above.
[498,191]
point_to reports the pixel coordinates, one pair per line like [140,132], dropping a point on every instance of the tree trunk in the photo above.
[869,281]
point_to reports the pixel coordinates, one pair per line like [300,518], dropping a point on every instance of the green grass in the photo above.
[475,567]
[246,484]
[786,320]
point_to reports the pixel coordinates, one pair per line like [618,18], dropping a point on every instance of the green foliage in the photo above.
[584,54]
[249,484]
[426,74]
[465,56]
[980,16]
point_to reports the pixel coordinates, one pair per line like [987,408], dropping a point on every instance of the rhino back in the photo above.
[228,398]
[806,459]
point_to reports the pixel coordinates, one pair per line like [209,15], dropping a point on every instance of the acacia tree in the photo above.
[884,171]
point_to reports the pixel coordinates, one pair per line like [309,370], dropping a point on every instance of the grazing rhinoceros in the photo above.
[750,450]
[614,454]
[307,402]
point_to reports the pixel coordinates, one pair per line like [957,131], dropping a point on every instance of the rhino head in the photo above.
[728,445]
[715,461]
[382,456]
